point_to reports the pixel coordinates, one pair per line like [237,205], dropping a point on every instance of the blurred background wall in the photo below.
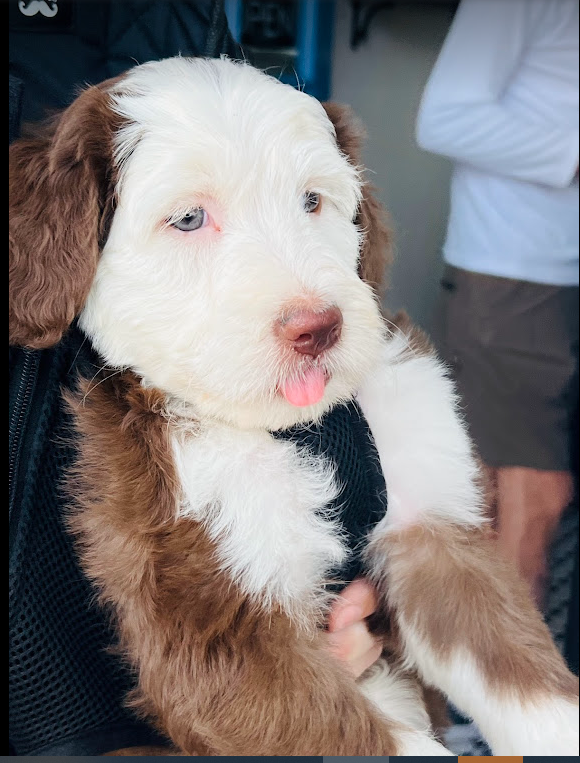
[382,79]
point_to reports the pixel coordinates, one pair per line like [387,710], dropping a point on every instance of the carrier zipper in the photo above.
[18,418]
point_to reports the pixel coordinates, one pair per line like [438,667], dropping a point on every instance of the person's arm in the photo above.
[463,114]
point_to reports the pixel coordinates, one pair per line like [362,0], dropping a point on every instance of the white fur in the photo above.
[425,452]
[193,313]
[540,726]
[396,694]
[412,743]
[264,502]
[399,697]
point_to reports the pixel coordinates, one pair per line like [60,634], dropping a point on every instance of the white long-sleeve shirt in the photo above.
[502,102]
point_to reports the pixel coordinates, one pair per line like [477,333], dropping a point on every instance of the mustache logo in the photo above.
[48,8]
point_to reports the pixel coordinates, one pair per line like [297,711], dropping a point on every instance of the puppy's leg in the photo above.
[396,694]
[220,676]
[466,620]
[400,698]
[469,626]
[220,670]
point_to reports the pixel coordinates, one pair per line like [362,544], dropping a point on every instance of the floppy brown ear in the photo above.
[376,252]
[61,198]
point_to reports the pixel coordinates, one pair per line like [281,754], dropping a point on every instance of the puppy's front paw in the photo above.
[543,727]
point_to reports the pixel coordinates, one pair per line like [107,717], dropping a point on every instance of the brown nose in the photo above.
[311,333]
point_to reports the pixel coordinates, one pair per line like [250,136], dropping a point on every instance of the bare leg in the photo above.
[529,505]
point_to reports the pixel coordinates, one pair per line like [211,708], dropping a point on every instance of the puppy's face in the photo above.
[229,276]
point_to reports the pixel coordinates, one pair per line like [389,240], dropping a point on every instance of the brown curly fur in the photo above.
[376,253]
[61,200]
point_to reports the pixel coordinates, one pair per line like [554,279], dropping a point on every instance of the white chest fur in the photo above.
[264,502]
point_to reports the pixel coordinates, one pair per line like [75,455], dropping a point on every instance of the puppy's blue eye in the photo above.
[193,220]
[311,201]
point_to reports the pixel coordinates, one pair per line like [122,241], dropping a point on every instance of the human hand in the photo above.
[348,636]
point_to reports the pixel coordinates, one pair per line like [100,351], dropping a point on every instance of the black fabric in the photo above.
[573,630]
[103,39]
[15,106]
[343,436]
[573,634]
[65,690]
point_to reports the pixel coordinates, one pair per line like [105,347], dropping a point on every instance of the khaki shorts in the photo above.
[512,347]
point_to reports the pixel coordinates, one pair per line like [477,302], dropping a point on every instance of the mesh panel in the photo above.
[62,681]
[344,437]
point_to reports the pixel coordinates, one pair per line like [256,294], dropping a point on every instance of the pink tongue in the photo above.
[307,390]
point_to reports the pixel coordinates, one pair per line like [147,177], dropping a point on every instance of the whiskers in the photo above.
[92,388]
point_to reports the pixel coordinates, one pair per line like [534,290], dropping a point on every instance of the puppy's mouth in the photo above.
[306,389]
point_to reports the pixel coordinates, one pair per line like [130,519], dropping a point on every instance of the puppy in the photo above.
[210,229]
